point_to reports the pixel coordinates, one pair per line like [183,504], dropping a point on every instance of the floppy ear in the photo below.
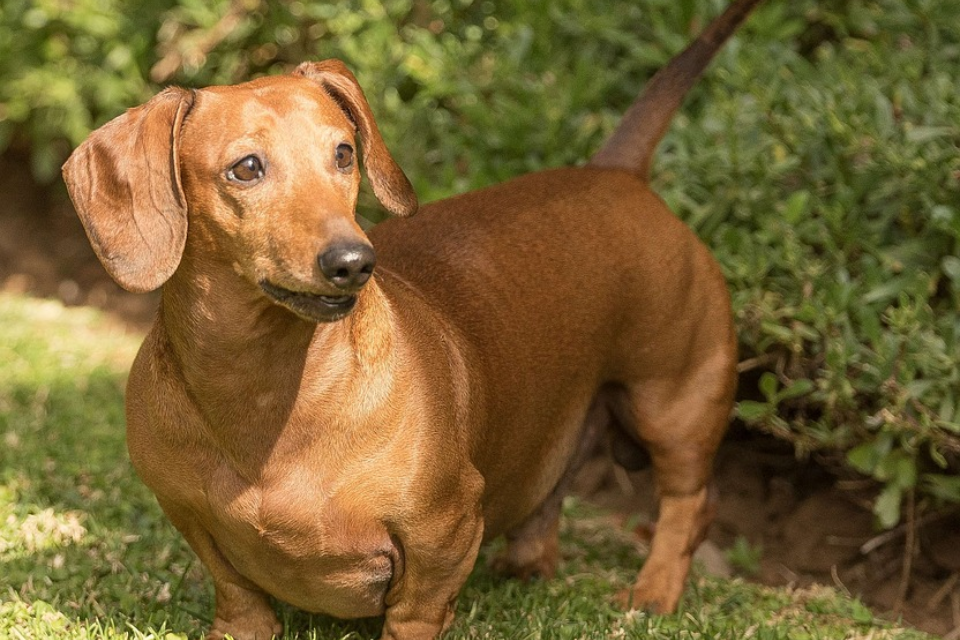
[389,183]
[124,181]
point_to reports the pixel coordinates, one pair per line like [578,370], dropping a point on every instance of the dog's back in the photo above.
[560,284]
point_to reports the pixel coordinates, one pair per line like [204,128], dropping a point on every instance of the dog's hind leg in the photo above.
[681,425]
[533,547]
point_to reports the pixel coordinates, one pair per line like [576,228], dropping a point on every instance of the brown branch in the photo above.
[908,553]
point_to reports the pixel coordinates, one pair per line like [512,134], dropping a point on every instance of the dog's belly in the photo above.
[300,546]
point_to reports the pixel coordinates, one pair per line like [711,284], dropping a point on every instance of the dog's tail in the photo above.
[635,139]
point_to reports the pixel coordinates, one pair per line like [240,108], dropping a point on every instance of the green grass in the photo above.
[86,553]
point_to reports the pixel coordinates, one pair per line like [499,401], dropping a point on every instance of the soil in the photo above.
[811,525]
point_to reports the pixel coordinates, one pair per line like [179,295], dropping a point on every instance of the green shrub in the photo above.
[66,67]
[818,159]
[837,219]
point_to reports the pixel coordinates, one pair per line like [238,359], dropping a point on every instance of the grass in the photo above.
[86,553]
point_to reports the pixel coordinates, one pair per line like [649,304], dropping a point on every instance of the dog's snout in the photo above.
[348,266]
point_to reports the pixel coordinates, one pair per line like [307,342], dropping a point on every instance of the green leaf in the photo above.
[905,472]
[887,506]
[768,386]
[889,290]
[864,458]
[752,411]
[797,206]
[951,267]
[781,333]
[796,389]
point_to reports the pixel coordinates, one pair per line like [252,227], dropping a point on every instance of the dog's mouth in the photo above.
[310,306]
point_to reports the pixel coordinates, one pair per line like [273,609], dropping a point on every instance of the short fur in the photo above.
[345,443]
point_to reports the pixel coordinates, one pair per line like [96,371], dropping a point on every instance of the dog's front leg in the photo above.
[242,609]
[438,557]
[245,614]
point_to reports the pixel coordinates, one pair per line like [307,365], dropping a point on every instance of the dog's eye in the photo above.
[344,157]
[249,169]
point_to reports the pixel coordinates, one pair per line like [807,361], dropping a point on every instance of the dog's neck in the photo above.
[245,361]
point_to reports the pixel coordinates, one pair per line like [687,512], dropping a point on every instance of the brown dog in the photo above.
[345,442]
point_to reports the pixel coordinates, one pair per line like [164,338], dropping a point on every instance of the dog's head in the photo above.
[264,175]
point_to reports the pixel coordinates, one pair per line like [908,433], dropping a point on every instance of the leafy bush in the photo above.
[66,67]
[818,158]
[836,217]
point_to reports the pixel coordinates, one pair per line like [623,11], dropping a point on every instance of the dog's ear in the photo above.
[124,181]
[389,182]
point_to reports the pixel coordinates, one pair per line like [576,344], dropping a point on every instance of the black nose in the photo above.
[348,266]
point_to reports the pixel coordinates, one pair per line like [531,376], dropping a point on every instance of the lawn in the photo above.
[86,553]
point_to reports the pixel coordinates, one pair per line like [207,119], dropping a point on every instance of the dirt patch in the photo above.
[809,526]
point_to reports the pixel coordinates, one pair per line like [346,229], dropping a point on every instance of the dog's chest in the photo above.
[298,542]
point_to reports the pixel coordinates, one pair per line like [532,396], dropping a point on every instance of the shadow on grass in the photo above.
[80,531]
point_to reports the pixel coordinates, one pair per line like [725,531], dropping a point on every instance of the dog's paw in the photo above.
[537,568]
[637,600]
[245,629]
[532,554]
[654,592]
